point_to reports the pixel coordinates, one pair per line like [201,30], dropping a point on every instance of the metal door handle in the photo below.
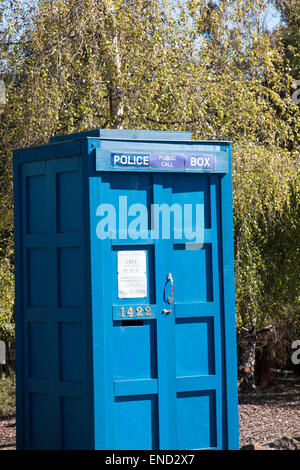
[170,278]
[166,311]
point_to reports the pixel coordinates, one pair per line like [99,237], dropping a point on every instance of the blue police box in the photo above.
[125,307]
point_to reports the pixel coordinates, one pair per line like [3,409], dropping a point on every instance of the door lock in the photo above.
[166,311]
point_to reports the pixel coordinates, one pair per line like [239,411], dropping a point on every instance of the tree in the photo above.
[289,33]
[204,66]
[7,332]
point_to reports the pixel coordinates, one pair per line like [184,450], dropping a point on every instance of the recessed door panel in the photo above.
[194,346]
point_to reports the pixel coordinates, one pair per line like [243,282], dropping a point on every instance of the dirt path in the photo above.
[8,434]
[270,414]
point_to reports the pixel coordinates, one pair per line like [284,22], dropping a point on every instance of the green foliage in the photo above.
[267,235]
[289,33]
[204,66]
[7,396]
[7,332]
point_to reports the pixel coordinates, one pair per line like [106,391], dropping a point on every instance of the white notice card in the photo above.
[132,274]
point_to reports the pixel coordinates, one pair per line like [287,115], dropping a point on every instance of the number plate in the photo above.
[134,312]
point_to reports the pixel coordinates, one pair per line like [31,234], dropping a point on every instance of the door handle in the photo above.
[166,311]
[170,278]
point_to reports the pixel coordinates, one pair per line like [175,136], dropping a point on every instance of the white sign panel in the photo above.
[132,274]
[2,352]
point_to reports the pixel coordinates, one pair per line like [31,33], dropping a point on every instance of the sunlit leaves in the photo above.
[6,301]
[199,65]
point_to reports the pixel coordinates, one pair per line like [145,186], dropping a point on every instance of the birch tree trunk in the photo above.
[115,91]
[252,339]
[246,371]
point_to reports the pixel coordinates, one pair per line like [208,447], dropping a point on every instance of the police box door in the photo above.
[160,311]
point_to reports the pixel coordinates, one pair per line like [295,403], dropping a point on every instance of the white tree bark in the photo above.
[116,95]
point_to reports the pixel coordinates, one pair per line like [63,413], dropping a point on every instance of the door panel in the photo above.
[194,346]
[196,419]
[195,268]
[167,374]
[192,270]
[136,424]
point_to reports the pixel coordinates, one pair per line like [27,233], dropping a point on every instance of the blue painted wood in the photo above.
[46,152]
[124,135]
[97,370]
[165,326]
[135,387]
[195,309]
[53,335]
[217,290]
[228,300]
[101,326]
[196,382]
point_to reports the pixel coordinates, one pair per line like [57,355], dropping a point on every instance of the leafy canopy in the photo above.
[199,65]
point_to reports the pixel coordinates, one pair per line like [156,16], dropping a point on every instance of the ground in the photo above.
[8,434]
[264,416]
[271,413]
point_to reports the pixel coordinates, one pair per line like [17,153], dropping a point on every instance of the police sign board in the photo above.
[164,161]
[211,159]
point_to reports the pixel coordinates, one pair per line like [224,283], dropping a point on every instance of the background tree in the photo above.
[249,101]
[200,65]
[289,33]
